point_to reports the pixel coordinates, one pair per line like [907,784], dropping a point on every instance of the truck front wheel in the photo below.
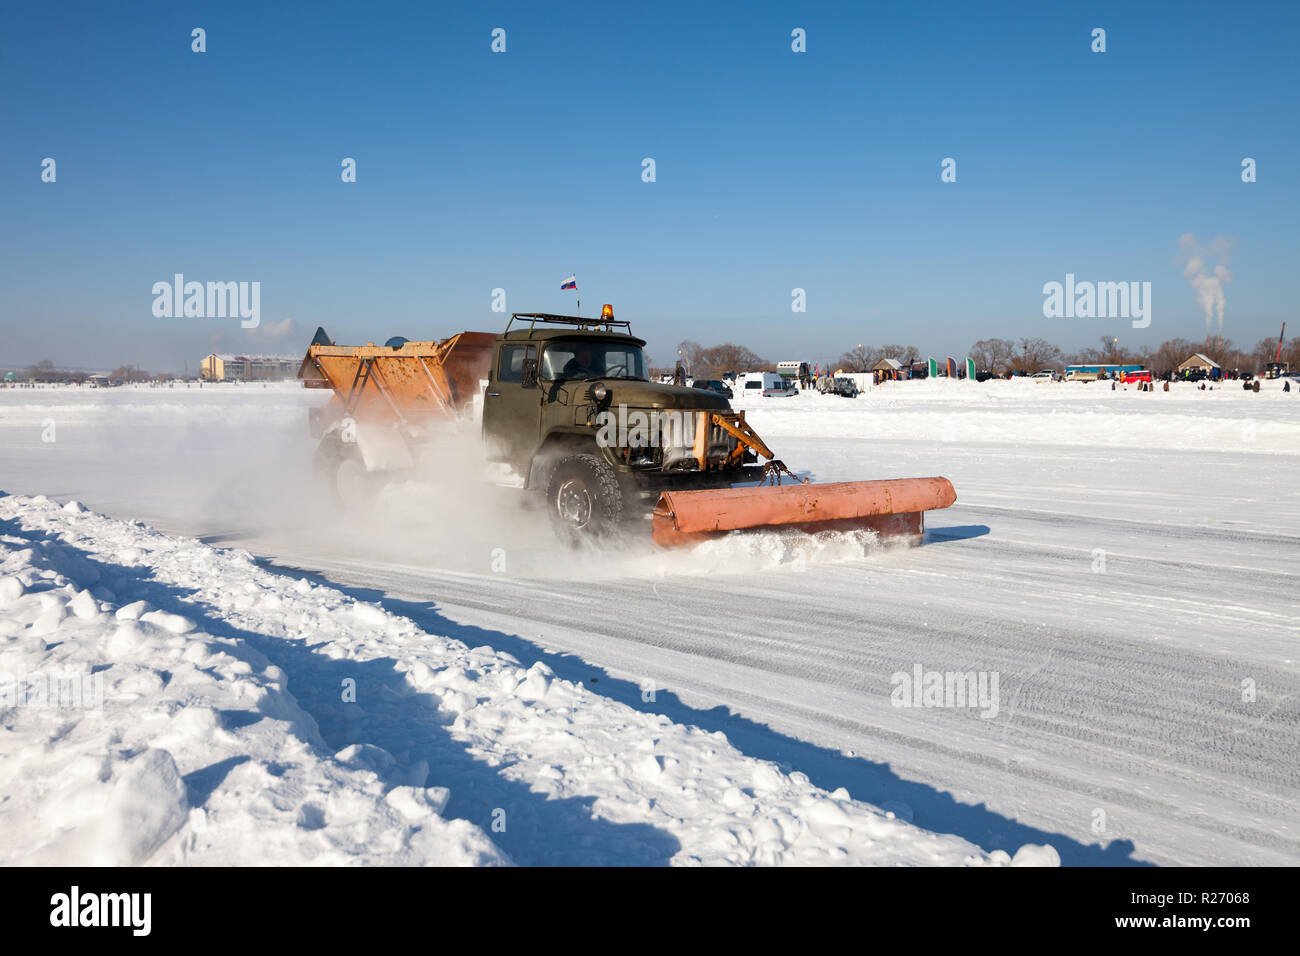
[583,499]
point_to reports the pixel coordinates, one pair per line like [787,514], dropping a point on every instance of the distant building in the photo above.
[889,368]
[247,368]
[1199,361]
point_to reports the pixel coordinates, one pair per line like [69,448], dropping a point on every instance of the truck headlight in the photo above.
[599,391]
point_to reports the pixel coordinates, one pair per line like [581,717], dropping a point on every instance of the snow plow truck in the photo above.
[568,413]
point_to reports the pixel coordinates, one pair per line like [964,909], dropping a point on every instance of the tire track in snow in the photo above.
[1117,707]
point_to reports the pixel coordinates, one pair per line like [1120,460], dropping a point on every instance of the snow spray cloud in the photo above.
[445,511]
[1208,283]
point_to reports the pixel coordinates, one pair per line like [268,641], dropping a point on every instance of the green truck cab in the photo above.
[569,412]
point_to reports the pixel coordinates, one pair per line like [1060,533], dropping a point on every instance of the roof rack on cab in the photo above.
[606,320]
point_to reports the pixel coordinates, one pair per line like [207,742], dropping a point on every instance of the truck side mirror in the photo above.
[528,375]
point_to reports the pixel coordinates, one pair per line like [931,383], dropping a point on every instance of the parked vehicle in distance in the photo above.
[713,385]
[1098,373]
[793,371]
[768,385]
[1143,375]
[1046,375]
[844,387]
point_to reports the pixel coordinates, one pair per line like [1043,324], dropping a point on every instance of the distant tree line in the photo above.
[863,358]
[712,362]
[1000,356]
[1030,355]
[1033,354]
[44,371]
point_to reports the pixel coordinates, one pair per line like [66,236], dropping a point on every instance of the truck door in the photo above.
[512,407]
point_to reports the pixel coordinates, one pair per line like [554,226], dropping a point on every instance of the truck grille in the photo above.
[677,439]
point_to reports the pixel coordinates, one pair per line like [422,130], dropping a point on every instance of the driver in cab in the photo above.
[582,365]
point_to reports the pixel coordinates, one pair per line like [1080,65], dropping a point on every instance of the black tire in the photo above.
[340,466]
[583,500]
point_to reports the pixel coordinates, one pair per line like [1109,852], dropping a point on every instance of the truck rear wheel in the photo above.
[583,499]
[340,466]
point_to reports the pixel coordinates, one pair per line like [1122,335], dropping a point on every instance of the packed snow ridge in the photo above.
[164,702]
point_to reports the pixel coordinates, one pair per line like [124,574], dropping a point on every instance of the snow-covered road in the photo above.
[1127,565]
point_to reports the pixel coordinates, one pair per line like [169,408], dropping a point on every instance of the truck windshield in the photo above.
[592,358]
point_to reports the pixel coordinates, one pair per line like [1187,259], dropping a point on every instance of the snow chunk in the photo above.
[168,621]
[128,637]
[11,589]
[1035,854]
[84,605]
[370,615]
[767,778]
[50,619]
[828,813]
[117,822]
[733,799]
[457,702]
[133,611]
[537,683]
[897,810]
[148,805]
[648,766]
[366,757]
[415,803]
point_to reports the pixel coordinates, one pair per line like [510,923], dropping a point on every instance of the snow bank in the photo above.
[131,735]
[367,740]
[1021,412]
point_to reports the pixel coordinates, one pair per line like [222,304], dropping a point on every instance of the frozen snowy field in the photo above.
[1127,564]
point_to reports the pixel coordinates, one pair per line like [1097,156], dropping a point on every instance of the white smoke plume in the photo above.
[1208,283]
[264,336]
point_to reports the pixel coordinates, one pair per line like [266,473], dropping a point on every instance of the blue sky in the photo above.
[775,170]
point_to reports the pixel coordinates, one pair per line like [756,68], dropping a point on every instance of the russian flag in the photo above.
[570,283]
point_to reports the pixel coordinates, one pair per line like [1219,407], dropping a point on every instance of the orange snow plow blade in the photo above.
[891,508]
